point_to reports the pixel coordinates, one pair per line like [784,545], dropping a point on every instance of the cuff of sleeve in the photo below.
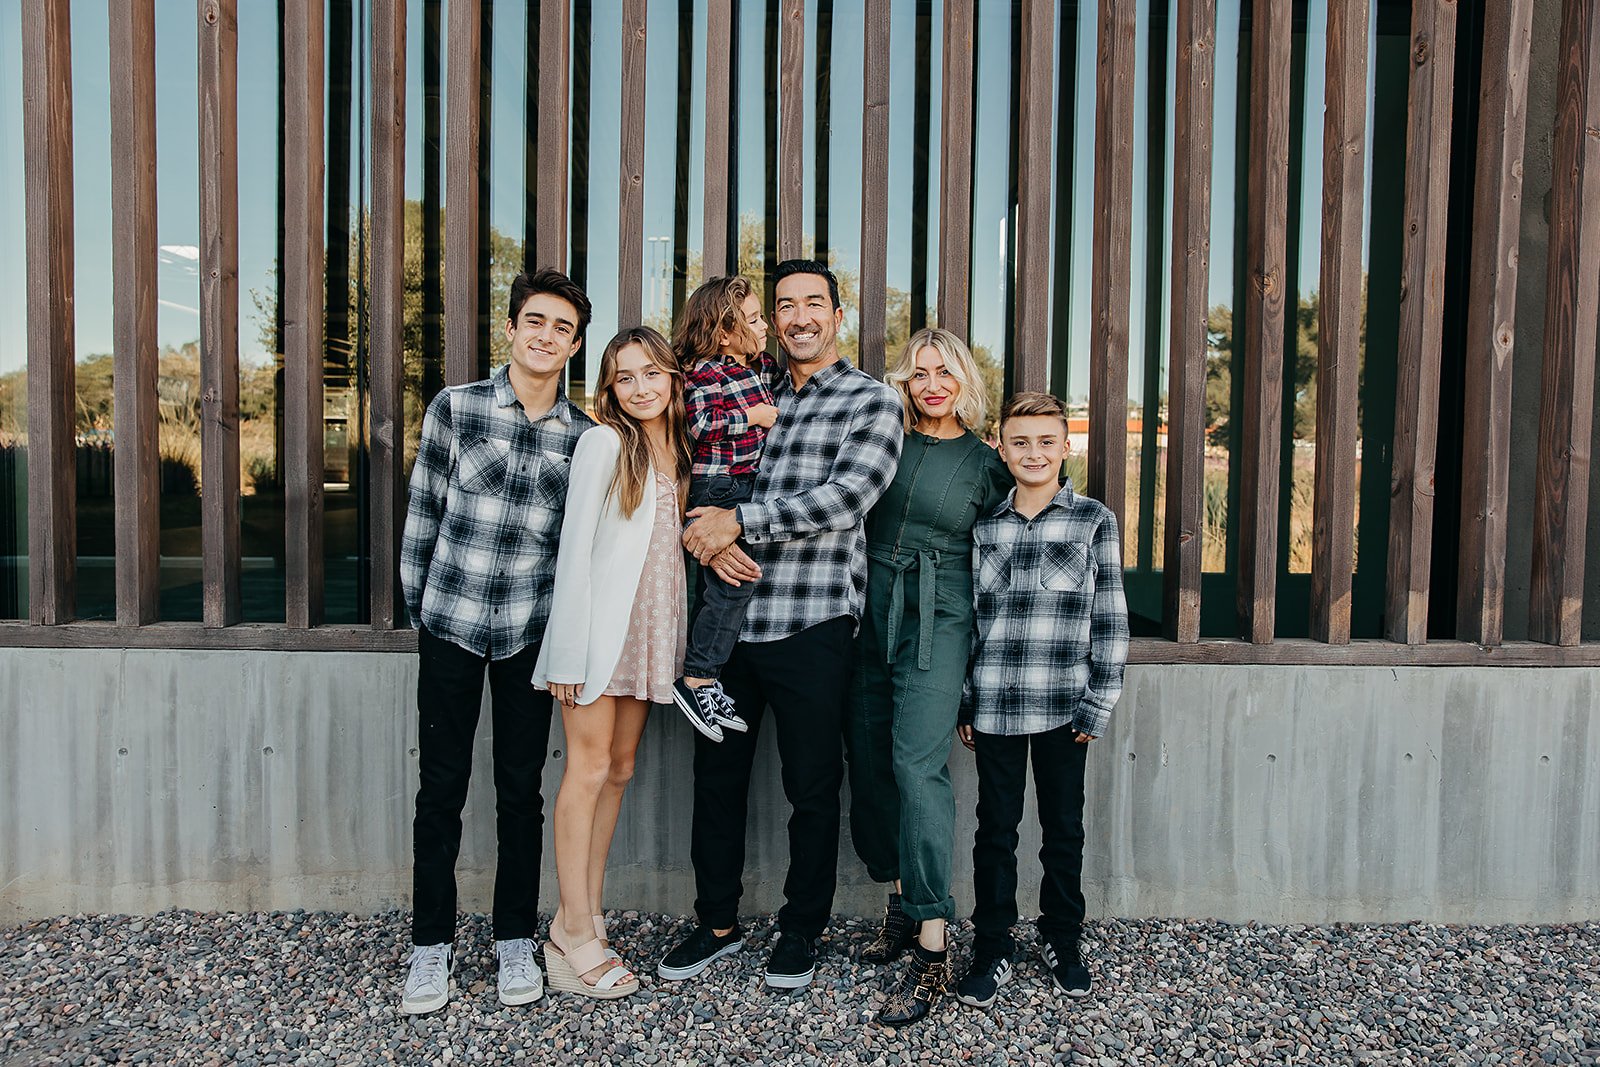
[751,522]
[1091,719]
[735,424]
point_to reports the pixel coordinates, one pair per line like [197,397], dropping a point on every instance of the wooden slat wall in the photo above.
[1566,400]
[1031,350]
[955,169]
[386,495]
[1196,26]
[630,203]
[219,310]
[1112,265]
[1266,232]
[791,129]
[1491,321]
[133,309]
[1339,321]
[555,109]
[462,129]
[303,305]
[874,186]
[716,256]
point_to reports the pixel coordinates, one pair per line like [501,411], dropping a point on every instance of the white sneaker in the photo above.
[428,982]
[521,981]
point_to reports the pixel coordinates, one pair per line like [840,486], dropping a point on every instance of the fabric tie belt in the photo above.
[929,561]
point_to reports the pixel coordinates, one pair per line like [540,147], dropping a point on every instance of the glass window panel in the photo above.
[846,90]
[13,331]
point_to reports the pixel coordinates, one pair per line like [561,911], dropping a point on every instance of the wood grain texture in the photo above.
[1339,321]
[719,70]
[630,199]
[1422,267]
[462,129]
[791,130]
[132,37]
[955,169]
[1196,27]
[1566,398]
[1491,322]
[219,311]
[303,307]
[1031,331]
[1111,257]
[555,112]
[873,289]
[1263,322]
[386,490]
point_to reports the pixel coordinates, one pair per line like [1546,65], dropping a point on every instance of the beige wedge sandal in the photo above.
[564,971]
[605,942]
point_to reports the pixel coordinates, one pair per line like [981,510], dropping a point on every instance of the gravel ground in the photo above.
[299,988]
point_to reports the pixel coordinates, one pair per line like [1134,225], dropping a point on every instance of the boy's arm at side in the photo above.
[1108,632]
[430,488]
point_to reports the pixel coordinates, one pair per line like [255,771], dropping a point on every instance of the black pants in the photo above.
[449,694]
[804,680]
[1058,763]
[719,609]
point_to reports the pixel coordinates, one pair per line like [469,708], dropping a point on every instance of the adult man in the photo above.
[478,565]
[830,456]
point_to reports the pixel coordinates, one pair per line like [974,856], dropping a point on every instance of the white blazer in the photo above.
[597,571]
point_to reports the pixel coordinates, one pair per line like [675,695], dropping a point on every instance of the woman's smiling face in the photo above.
[642,389]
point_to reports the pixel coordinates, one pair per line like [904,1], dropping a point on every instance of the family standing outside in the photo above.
[876,580]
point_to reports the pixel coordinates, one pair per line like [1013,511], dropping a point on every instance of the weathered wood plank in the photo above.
[133,298]
[555,110]
[386,493]
[791,129]
[1034,187]
[955,169]
[874,187]
[1111,256]
[219,311]
[715,254]
[303,308]
[1196,25]
[1491,322]
[1566,399]
[462,129]
[630,203]
[1339,321]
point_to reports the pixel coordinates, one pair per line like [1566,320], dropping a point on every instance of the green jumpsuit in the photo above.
[910,663]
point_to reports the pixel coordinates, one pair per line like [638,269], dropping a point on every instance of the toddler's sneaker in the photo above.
[727,715]
[699,706]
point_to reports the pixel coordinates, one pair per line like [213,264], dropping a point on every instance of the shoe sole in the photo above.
[678,974]
[790,981]
[424,1007]
[513,1000]
[560,976]
[706,729]
[739,727]
[998,984]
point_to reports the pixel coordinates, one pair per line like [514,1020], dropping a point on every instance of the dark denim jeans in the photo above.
[719,609]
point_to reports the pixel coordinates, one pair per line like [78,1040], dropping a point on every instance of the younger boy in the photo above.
[1051,642]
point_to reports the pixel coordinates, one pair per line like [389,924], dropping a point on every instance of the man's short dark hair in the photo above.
[807,266]
[555,283]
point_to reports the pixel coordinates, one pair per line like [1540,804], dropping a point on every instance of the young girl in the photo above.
[615,642]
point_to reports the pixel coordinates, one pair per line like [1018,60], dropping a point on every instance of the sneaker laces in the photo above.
[430,968]
[516,960]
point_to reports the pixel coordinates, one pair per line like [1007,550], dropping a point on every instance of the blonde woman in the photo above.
[911,658]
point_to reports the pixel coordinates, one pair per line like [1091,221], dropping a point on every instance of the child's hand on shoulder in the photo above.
[761,415]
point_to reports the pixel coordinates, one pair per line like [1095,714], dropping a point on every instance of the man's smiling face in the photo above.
[807,321]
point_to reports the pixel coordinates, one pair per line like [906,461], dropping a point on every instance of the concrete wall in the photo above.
[138,780]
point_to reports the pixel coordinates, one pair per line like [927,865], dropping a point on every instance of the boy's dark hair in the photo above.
[1022,405]
[554,283]
[808,266]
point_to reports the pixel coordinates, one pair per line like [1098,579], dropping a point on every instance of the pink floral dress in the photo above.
[652,652]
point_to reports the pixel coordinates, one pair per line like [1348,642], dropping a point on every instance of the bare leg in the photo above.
[931,936]
[589,732]
[631,715]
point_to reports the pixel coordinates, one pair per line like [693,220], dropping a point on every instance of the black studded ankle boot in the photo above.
[898,932]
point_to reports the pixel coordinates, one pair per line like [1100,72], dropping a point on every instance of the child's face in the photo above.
[1033,447]
[642,389]
[751,308]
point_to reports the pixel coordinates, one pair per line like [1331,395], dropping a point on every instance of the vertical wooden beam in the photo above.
[386,496]
[955,169]
[1111,258]
[555,107]
[1566,399]
[791,129]
[1196,26]
[133,297]
[1422,263]
[630,203]
[1263,324]
[219,310]
[1339,321]
[874,187]
[462,129]
[1034,113]
[715,254]
[1491,322]
[47,180]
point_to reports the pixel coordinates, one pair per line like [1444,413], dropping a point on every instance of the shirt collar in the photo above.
[506,397]
[1062,499]
[822,377]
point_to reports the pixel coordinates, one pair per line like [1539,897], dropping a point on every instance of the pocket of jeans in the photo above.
[481,464]
[1064,568]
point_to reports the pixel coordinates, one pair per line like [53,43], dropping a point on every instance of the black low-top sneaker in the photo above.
[699,706]
[981,984]
[697,951]
[792,963]
[727,715]
[1066,967]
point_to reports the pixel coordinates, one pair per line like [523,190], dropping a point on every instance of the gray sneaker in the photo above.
[521,981]
[428,981]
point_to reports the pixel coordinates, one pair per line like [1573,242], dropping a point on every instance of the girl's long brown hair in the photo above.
[714,309]
[633,465]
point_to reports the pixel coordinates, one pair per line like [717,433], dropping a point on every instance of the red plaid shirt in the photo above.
[716,394]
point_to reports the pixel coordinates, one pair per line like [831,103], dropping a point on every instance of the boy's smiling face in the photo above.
[1033,447]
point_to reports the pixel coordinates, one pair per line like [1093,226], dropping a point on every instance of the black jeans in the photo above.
[719,609]
[449,694]
[1058,763]
[804,679]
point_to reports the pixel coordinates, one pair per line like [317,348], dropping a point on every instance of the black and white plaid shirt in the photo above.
[488,491]
[1052,624]
[831,455]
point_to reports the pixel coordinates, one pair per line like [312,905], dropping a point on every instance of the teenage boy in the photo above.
[1051,642]
[478,565]
[830,456]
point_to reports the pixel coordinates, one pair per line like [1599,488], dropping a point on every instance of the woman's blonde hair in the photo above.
[633,465]
[714,309]
[971,405]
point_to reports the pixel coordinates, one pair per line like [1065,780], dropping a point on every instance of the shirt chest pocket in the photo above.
[1064,568]
[993,572]
[549,486]
[481,464]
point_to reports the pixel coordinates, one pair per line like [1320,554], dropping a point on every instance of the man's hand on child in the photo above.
[734,567]
[761,415]
[713,530]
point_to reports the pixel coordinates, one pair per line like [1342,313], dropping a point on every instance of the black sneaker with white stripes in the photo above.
[699,706]
[981,984]
[1066,967]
